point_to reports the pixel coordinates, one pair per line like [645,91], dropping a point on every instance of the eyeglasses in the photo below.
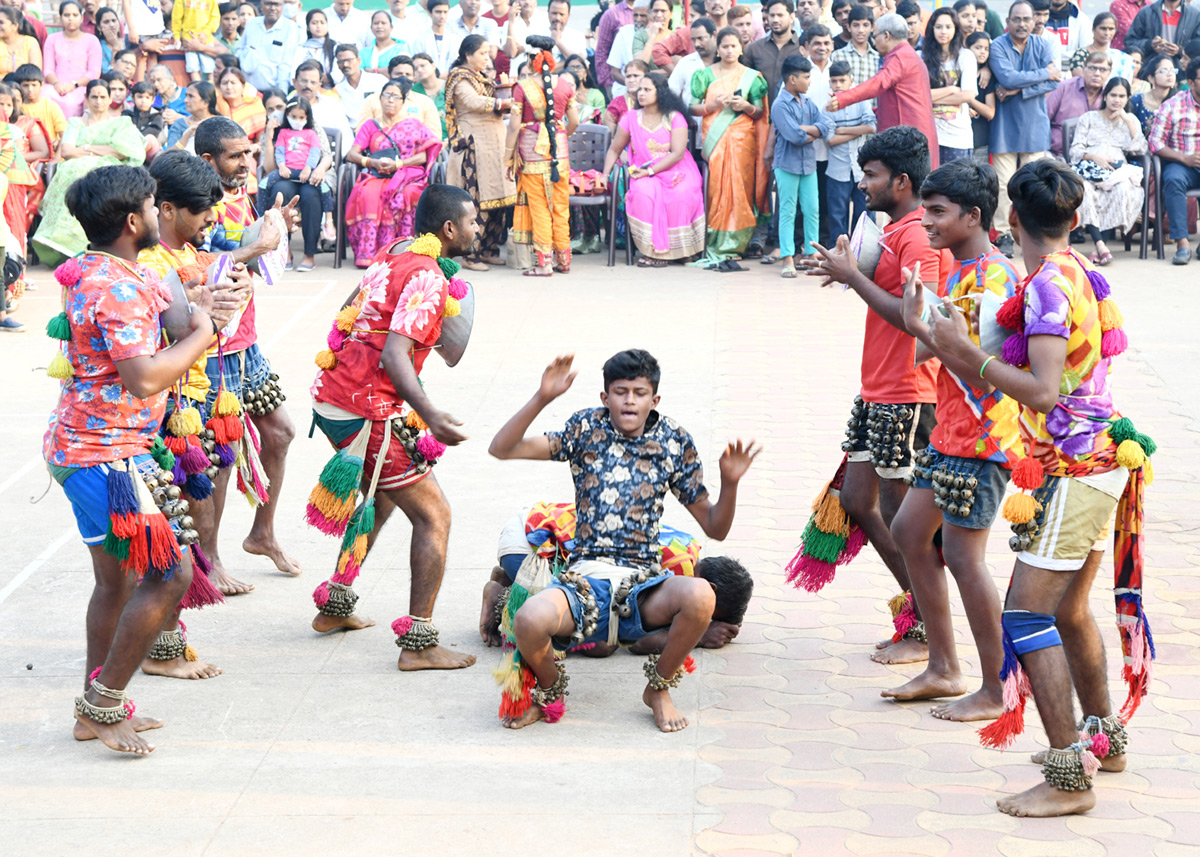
[1167,70]
[389,96]
[1097,68]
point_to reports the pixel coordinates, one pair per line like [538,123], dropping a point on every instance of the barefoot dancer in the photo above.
[380,339]
[893,415]
[624,459]
[245,371]
[958,482]
[103,448]
[1057,367]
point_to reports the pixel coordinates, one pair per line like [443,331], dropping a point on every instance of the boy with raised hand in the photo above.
[959,479]
[624,459]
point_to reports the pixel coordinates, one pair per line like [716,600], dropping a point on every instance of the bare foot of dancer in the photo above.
[272,551]
[533,715]
[977,706]
[927,686]
[1111,764]
[433,658]
[226,584]
[120,736]
[886,642]
[180,667]
[353,622]
[139,724]
[666,715]
[489,621]
[1045,801]
[907,651]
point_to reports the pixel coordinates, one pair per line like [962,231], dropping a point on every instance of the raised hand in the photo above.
[913,304]
[950,334]
[736,460]
[557,378]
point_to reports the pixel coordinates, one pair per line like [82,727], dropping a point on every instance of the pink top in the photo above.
[70,61]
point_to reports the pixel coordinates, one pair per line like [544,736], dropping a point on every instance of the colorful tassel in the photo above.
[1016,690]
[1130,454]
[1113,342]
[1021,508]
[346,317]
[430,447]
[332,500]
[1100,287]
[1012,312]
[553,712]
[1100,744]
[1015,351]
[227,404]
[905,619]
[69,272]
[452,308]
[321,595]
[200,592]
[60,368]
[59,327]
[1110,315]
[326,360]
[185,422]
[413,421]
[335,340]
[402,626]
[194,459]
[449,267]
[457,288]
[162,456]
[198,486]
[226,454]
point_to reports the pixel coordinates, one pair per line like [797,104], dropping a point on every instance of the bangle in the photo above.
[991,357]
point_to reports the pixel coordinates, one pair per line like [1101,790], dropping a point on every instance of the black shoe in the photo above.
[754,251]
[1005,245]
[1078,236]
[1182,256]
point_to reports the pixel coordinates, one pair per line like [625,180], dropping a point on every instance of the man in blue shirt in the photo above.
[269,46]
[1020,132]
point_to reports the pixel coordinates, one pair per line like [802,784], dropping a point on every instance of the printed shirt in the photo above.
[234,213]
[161,259]
[1177,124]
[402,293]
[965,417]
[620,483]
[888,373]
[1073,439]
[113,317]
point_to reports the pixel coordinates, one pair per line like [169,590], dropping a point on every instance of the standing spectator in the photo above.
[429,84]
[767,55]
[16,50]
[635,70]
[615,17]
[1164,27]
[356,84]
[901,86]
[679,44]
[526,20]
[436,40]
[567,40]
[195,21]
[468,22]
[1124,11]
[1075,97]
[383,47]
[911,13]
[622,48]
[319,46]
[1069,24]
[1175,138]
[268,45]
[983,105]
[1104,28]
[818,41]
[1161,73]
[964,15]
[953,82]
[656,31]
[742,19]
[71,58]
[988,21]
[348,24]
[860,54]
[1020,131]
[852,125]
[144,23]
[111,35]
[407,20]
[228,37]
[704,42]
[841,17]
[1041,14]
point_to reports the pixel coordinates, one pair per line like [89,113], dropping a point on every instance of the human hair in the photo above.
[401,83]
[303,103]
[127,51]
[433,4]
[968,185]
[838,5]
[101,12]
[328,45]
[271,92]
[207,93]
[11,13]
[977,37]
[893,25]
[212,133]
[309,65]
[1035,5]
[1191,48]
[1017,3]
[142,87]
[1151,66]
[588,81]
[424,56]
[5,89]
[795,64]
[706,24]
[668,100]
[470,45]
[186,181]
[902,149]
[631,365]
[787,4]
[63,5]
[816,31]
[640,65]
[1101,17]
[236,72]
[438,204]
[1045,194]
[907,8]
[839,68]
[735,13]
[1193,69]
[1112,84]
[95,83]
[381,12]
[932,52]
[1098,57]
[28,73]
[103,199]
[859,12]
[228,60]
[566,3]
[225,8]
[111,76]
[731,584]
[965,4]
[726,32]
[397,61]
[344,47]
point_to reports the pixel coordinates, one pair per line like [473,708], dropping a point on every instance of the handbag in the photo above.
[392,154]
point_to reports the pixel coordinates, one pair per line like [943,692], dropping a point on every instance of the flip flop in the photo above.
[788,272]
[769,260]
[729,266]
[534,272]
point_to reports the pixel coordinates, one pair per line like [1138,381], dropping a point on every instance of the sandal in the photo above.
[304,267]
[647,262]
[789,272]
[475,266]
[730,266]
[769,259]
[534,272]
[1104,258]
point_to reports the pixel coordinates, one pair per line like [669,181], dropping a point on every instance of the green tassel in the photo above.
[59,327]
[367,519]
[1121,430]
[114,546]
[449,267]
[342,475]
[822,546]
[163,456]
[1147,444]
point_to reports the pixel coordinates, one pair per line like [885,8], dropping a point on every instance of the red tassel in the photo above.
[510,707]
[689,664]
[139,549]
[217,426]
[1139,686]
[233,427]
[1004,730]
[164,549]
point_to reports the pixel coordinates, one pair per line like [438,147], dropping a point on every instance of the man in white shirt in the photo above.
[268,45]
[468,22]
[622,46]
[349,25]
[356,84]
[326,107]
[1041,14]
[568,41]
[524,20]
[437,40]
[704,40]
[408,19]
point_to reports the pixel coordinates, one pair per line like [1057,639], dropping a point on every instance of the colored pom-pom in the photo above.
[1122,429]
[346,317]
[1110,315]
[59,327]
[321,595]
[194,460]
[458,288]
[427,245]
[1012,312]
[227,404]
[336,339]
[1100,287]
[1028,474]
[161,455]
[185,422]
[1130,455]
[553,712]
[198,486]
[449,269]
[326,359]
[200,592]
[69,272]
[402,625]
[1021,508]
[451,309]
[414,421]
[430,447]
[60,367]
[1015,351]
[1147,444]
[217,426]
[1113,342]
[122,494]
[233,428]
[226,454]
[1100,745]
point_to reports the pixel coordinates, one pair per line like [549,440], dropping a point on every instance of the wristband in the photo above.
[991,357]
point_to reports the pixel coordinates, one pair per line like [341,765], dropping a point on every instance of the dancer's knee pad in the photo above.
[1030,631]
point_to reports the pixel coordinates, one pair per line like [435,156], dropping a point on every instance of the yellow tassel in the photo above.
[185,422]
[507,676]
[1021,508]
[343,558]
[1148,471]
[896,603]
[326,359]
[346,317]
[227,404]
[330,506]
[189,654]
[1110,315]
[829,516]
[452,308]
[414,421]
[360,548]
[1130,454]
[60,367]
[427,245]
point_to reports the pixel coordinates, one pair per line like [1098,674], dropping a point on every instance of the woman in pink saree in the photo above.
[396,153]
[664,205]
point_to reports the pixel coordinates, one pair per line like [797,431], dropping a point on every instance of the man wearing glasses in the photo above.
[268,47]
[1077,96]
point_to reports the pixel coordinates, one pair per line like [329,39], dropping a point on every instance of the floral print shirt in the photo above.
[113,317]
[620,483]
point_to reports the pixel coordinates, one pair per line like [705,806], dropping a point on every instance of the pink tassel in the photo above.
[252,432]
[457,288]
[183,629]
[336,339]
[200,592]
[98,669]
[162,296]
[554,711]
[430,447]
[1089,762]
[200,560]
[809,572]
[1113,342]
[69,272]
[906,619]
[129,709]
[321,595]
[316,518]
[402,625]
[1101,746]
[582,647]
[1016,688]
[194,460]
[350,574]
[855,542]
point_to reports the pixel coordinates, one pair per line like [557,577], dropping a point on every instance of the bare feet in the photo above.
[907,651]
[1045,801]
[533,715]
[489,622]
[927,686]
[884,643]
[272,551]
[1111,764]
[977,706]
[139,724]
[666,715]
[180,667]
[226,584]
[433,658]
[325,623]
[121,736]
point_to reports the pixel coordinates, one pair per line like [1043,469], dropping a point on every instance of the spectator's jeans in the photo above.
[1007,163]
[1177,180]
[823,197]
[310,209]
[947,154]
[841,194]
[794,188]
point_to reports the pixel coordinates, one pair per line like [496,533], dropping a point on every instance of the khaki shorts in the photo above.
[1074,520]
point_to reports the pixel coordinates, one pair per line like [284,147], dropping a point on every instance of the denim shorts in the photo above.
[237,377]
[985,480]
[629,628]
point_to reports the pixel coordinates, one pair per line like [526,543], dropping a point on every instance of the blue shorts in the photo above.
[511,563]
[985,481]
[237,377]
[629,628]
[87,489]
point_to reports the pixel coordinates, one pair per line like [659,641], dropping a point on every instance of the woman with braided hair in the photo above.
[544,115]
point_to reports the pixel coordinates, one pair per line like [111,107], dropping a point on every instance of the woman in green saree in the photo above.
[732,101]
[91,141]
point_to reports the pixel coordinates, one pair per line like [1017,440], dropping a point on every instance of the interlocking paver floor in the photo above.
[311,744]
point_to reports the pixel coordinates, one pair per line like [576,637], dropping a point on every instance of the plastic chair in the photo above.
[588,147]
[339,208]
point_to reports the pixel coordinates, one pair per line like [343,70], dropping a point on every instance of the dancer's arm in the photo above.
[510,441]
[397,362]
[149,374]
[913,309]
[716,519]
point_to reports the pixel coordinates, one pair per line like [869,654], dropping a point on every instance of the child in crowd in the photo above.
[297,146]
[798,122]
[851,126]
[43,109]
[144,23]
[196,20]
[146,118]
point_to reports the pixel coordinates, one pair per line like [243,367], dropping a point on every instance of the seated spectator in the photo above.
[1174,138]
[588,94]
[415,105]
[111,34]
[1161,74]
[1163,27]
[327,109]
[1136,82]
[169,97]
[118,92]
[1075,97]
[126,63]
[241,102]
[1104,28]
[983,104]
[953,82]
[200,101]
[38,149]
[70,59]
[657,30]
[632,74]
[396,153]
[91,141]
[35,104]
[16,50]
[20,152]
[430,84]
[383,47]
[146,118]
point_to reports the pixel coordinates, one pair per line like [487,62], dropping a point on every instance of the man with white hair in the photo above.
[622,46]
[901,85]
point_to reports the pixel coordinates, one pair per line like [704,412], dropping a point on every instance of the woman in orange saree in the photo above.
[732,99]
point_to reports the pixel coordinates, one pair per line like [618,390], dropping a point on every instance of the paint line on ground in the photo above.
[36,563]
[12,480]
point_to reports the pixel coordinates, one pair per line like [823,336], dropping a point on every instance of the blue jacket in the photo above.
[794,153]
[1021,123]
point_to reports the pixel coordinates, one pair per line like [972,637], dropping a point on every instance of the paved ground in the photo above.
[308,744]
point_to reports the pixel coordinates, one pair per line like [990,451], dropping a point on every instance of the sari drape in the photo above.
[665,211]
